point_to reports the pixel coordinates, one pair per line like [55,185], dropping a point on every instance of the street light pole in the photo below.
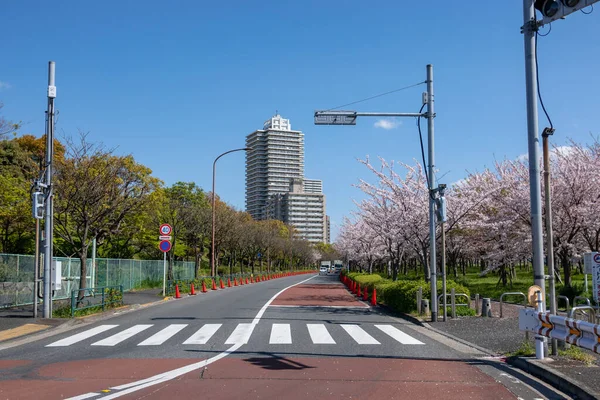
[431,167]
[214,215]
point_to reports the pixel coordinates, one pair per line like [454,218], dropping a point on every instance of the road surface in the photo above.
[299,337]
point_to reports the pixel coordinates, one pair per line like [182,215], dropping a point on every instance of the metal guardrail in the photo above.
[453,303]
[457,295]
[109,295]
[512,294]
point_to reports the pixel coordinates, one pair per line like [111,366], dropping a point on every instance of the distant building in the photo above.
[277,157]
[275,183]
[313,186]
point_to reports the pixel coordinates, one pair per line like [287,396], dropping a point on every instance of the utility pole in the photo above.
[431,167]
[549,245]
[48,224]
[529,31]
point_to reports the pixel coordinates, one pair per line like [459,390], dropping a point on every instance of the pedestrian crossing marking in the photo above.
[162,336]
[241,334]
[280,334]
[121,336]
[398,334]
[359,335]
[319,334]
[81,336]
[203,334]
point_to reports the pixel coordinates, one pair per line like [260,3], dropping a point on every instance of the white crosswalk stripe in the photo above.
[164,335]
[319,334]
[81,336]
[121,336]
[203,334]
[280,334]
[398,334]
[241,333]
[359,335]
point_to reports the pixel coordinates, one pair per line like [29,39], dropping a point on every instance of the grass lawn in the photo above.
[489,285]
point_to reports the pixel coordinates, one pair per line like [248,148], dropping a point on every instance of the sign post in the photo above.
[164,246]
[591,263]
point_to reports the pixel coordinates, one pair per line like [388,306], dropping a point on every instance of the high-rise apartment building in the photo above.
[275,184]
[276,158]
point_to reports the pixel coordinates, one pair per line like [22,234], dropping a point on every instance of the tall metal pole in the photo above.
[444,269]
[549,244]
[431,168]
[214,218]
[48,211]
[529,30]
[214,215]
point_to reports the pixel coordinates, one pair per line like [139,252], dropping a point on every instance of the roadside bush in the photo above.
[402,294]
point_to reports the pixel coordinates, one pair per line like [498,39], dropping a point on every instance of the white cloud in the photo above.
[387,123]
[558,150]
[4,85]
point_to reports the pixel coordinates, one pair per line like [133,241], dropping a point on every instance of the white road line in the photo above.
[359,335]
[121,336]
[169,375]
[162,336]
[241,334]
[84,396]
[319,335]
[398,334]
[280,334]
[81,336]
[203,334]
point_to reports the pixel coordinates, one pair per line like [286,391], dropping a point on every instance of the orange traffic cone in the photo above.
[214,286]
[192,291]
[374,297]
[241,281]
[246,280]
[203,286]
[228,282]
[234,281]
[177,294]
[222,286]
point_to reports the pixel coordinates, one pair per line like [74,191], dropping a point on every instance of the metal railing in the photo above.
[585,299]
[453,303]
[512,294]
[591,317]
[567,301]
[108,295]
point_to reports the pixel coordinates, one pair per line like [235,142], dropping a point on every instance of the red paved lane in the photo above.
[62,380]
[335,378]
[317,295]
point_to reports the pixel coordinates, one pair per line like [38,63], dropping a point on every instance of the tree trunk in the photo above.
[566,264]
[83,275]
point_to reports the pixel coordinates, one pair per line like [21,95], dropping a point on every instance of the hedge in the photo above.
[401,295]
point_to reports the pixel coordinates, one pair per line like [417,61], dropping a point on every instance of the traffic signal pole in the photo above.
[48,224]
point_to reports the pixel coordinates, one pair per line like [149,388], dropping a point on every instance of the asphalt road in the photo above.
[314,340]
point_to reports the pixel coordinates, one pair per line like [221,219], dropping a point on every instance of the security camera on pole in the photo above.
[164,246]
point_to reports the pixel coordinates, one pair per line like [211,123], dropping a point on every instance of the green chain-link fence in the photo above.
[17,275]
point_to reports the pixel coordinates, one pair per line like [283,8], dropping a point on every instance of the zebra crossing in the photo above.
[280,334]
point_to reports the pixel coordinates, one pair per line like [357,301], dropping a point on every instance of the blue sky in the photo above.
[177,83]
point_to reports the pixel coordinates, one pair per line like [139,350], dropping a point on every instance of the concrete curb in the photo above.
[553,377]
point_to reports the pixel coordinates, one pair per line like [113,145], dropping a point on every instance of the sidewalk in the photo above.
[16,322]
[501,336]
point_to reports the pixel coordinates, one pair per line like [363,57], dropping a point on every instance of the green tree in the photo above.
[95,191]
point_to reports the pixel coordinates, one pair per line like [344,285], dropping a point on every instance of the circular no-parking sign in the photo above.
[164,246]
[165,229]
[597,258]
